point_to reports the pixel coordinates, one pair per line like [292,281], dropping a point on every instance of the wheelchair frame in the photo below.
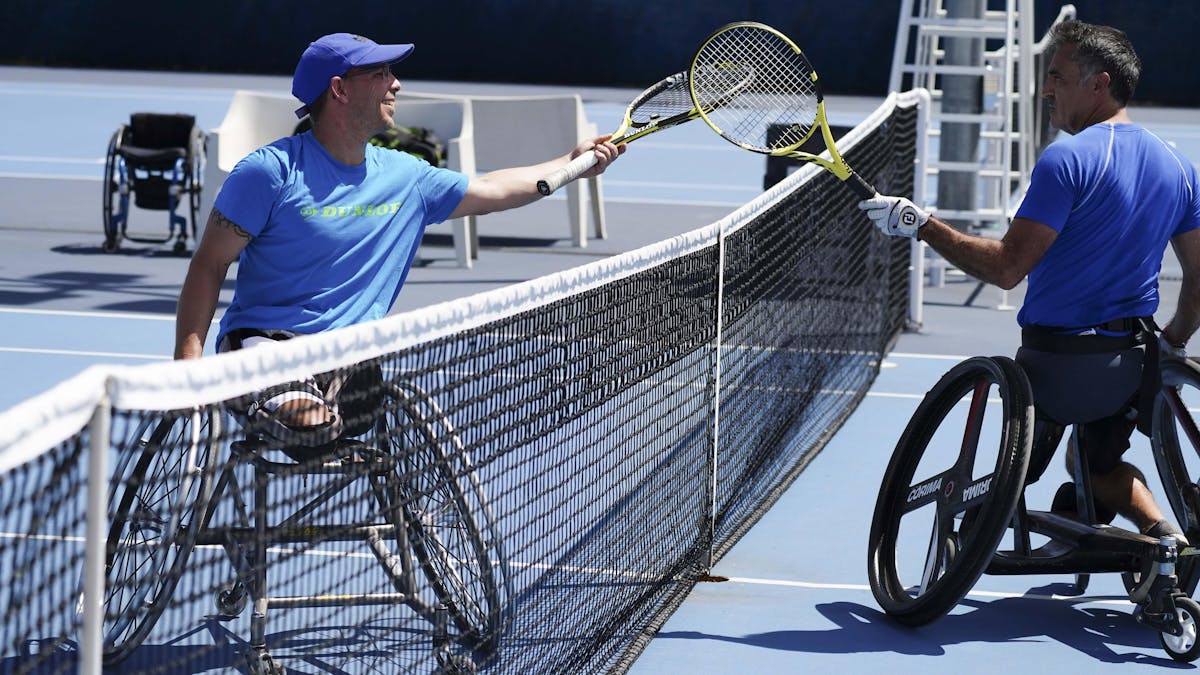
[129,168]
[169,485]
[979,499]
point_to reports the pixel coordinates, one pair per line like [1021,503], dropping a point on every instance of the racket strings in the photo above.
[756,88]
[664,103]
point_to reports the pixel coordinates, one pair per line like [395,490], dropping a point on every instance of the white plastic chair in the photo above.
[521,130]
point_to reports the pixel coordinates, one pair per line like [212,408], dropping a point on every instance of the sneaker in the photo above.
[1165,528]
[1064,503]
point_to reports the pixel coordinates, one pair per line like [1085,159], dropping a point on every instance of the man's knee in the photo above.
[1105,442]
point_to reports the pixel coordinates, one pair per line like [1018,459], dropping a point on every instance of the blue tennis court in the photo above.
[796,598]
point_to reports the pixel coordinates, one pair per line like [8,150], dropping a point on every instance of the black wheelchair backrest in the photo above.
[160,130]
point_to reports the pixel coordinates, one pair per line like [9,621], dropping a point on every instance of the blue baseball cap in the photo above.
[333,55]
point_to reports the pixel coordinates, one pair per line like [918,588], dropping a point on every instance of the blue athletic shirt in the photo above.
[1116,194]
[331,243]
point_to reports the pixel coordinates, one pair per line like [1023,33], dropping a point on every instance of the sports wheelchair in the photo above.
[952,504]
[410,487]
[159,159]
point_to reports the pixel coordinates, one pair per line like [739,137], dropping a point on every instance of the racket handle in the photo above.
[862,188]
[563,175]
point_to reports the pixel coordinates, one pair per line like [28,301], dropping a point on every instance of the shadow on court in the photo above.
[125,250]
[364,648]
[114,291]
[1101,633]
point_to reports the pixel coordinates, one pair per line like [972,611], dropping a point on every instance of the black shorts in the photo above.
[1095,391]
[354,396]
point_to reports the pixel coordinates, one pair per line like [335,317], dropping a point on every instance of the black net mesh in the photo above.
[534,494]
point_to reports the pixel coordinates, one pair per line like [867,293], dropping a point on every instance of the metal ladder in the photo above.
[919,60]
[1012,126]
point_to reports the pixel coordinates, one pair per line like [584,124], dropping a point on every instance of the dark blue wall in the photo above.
[602,42]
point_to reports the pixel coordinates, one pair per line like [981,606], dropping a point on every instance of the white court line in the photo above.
[120,92]
[977,593]
[78,352]
[615,573]
[90,314]
[50,176]
[43,159]
[676,185]
[934,357]
[889,394]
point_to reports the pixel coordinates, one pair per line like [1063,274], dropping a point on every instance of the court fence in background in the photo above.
[526,480]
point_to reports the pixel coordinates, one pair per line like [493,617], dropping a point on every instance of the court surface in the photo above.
[797,598]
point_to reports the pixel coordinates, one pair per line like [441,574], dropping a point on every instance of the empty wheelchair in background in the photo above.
[952,504]
[158,159]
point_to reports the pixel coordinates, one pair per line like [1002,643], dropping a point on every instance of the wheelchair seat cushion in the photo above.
[153,158]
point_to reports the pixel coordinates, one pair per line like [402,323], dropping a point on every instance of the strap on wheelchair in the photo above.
[1131,332]
[237,336]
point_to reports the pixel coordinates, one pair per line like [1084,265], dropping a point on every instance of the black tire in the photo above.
[112,238]
[162,483]
[196,165]
[450,526]
[973,495]
[1185,647]
[1176,443]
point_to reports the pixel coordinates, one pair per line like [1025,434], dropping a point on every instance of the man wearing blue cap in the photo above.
[324,225]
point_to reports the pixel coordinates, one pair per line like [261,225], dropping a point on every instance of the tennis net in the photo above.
[540,474]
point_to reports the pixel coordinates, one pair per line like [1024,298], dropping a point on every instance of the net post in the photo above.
[711,534]
[91,642]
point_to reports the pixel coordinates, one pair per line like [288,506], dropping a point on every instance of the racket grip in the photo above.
[862,188]
[563,175]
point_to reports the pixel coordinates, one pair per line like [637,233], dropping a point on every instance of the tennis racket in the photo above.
[664,105]
[778,110]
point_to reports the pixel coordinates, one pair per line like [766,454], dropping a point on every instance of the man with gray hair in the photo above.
[1102,205]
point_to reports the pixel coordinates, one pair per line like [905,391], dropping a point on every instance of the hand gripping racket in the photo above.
[778,109]
[664,105]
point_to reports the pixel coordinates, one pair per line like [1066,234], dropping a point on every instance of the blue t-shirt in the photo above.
[331,244]
[1116,194]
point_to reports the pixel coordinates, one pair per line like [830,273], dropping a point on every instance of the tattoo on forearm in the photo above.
[217,218]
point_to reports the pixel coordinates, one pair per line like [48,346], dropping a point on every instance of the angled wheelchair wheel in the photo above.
[161,484]
[112,235]
[1184,647]
[450,526]
[950,490]
[1176,443]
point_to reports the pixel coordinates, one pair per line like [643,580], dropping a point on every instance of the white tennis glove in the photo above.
[896,216]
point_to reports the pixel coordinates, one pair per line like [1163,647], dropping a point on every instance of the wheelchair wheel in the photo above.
[112,237]
[946,499]
[1176,443]
[196,164]
[450,526]
[160,487]
[1184,647]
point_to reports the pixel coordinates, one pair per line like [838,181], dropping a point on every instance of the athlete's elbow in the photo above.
[1008,280]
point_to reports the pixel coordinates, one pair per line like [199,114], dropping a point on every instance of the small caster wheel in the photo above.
[1183,647]
[455,664]
[231,599]
[259,662]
